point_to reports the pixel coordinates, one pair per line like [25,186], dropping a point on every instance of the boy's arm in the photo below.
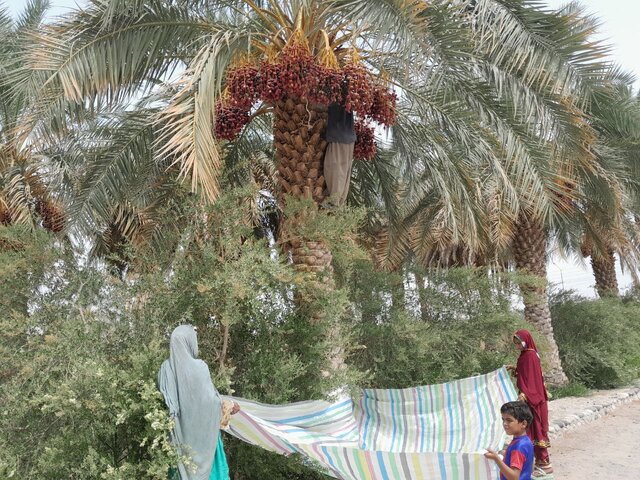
[509,472]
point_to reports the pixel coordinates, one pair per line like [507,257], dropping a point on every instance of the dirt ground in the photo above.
[603,449]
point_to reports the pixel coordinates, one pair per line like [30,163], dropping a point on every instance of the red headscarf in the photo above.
[530,380]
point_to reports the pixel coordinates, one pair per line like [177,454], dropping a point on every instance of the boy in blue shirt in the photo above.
[518,460]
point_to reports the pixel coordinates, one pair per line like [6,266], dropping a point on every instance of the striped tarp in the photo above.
[436,431]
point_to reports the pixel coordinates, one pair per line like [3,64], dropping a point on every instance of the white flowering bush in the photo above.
[79,411]
[78,398]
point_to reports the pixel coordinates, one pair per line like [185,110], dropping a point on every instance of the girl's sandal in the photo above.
[542,472]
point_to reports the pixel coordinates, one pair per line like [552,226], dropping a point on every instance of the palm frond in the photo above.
[188,121]
[32,16]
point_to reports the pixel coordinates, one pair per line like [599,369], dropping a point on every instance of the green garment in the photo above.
[220,470]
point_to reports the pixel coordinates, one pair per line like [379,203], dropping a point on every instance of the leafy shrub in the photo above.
[81,348]
[599,340]
[458,324]
[573,389]
[78,391]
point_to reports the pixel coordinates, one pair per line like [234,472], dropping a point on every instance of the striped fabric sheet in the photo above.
[460,416]
[436,431]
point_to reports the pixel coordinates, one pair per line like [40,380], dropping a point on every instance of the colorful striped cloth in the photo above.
[436,431]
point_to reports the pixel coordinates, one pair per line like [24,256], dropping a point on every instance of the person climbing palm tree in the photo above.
[338,159]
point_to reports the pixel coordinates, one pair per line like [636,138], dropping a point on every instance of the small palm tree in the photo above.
[25,197]
[615,114]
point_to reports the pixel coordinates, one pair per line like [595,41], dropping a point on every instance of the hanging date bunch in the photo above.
[298,70]
[5,214]
[243,85]
[383,106]
[359,89]
[52,215]
[365,147]
[230,120]
[327,86]
[294,72]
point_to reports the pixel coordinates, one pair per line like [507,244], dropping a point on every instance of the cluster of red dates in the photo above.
[295,73]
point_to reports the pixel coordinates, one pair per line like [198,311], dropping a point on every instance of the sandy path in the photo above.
[603,449]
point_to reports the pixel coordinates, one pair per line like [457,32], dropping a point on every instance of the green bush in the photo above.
[599,340]
[458,325]
[77,383]
[573,389]
[80,349]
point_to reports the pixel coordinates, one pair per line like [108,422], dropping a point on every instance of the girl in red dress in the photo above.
[532,390]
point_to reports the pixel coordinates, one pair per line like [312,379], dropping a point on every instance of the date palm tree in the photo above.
[534,193]
[615,115]
[457,68]
[488,120]
[25,196]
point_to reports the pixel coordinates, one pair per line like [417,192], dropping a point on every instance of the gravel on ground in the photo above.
[603,449]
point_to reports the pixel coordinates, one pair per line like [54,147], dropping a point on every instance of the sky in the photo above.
[619,19]
[58,7]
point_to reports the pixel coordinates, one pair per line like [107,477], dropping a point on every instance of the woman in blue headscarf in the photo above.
[196,407]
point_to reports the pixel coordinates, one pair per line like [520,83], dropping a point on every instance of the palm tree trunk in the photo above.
[298,132]
[298,137]
[530,255]
[423,298]
[604,271]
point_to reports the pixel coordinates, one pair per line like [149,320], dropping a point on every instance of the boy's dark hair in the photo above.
[518,410]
